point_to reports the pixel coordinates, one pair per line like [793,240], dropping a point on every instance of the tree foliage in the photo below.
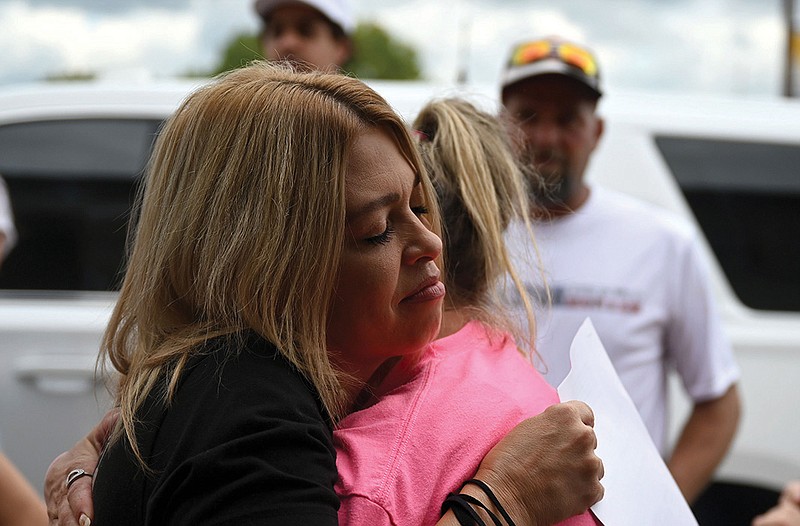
[71,76]
[241,50]
[376,54]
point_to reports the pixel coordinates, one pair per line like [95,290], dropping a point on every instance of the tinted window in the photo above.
[71,185]
[746,197]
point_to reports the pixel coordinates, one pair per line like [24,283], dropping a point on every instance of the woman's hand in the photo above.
[545,470]
[73,506]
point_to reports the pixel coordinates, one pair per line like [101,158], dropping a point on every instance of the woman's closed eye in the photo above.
[386,236]
[420,210]
[382,238]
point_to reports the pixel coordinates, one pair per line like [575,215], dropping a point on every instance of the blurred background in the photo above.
[700,114]
[706,46]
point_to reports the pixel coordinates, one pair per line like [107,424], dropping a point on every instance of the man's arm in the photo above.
[703,442]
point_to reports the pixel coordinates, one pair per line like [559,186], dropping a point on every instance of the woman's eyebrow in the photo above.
[376,204]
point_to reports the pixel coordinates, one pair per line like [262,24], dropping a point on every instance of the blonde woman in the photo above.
[283,255]
[436,415]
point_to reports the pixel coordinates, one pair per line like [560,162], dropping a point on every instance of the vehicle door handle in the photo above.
[58,373]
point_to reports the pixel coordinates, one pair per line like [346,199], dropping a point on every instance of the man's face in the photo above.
[553,122]
[300,33]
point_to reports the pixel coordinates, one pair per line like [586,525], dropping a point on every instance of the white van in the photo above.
[71,153]
[731,167]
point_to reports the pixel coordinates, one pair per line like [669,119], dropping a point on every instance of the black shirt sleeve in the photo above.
[245,441]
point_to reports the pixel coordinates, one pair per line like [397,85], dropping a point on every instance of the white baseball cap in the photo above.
[337,11]
[552,56]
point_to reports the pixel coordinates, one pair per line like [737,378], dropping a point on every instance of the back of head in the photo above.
[242,223]
[481,188]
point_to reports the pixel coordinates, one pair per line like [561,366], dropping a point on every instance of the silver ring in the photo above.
[74,475]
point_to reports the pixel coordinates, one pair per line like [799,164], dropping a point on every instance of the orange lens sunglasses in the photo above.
[570,54]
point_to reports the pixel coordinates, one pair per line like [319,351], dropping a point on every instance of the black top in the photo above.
[245,441]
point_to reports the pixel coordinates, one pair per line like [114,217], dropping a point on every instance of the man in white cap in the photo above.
[313,33]
[626,264]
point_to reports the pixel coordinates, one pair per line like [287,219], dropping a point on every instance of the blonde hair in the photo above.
[241,226]
[481,188]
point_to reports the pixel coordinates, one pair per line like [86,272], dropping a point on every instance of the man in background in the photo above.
[621,262]
[313,33]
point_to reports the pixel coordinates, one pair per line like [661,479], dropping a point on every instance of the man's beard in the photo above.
[548,187]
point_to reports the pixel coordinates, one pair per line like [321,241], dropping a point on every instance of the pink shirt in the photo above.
[399,458]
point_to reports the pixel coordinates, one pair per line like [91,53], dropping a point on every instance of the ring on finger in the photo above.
[75,474]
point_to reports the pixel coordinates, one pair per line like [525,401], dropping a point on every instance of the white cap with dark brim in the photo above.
[337,11]
[551,65]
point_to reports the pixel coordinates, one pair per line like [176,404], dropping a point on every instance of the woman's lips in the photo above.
[431,289]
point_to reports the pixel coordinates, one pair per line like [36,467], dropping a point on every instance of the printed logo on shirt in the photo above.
[584,297]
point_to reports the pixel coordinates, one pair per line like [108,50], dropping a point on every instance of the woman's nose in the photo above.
[425,245]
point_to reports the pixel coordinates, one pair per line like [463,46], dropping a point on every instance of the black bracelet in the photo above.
[492,497]
[472,500]
[465,515]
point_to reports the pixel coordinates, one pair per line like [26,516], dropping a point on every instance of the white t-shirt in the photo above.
[637,272]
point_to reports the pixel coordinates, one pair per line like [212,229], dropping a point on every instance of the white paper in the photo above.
[639,488]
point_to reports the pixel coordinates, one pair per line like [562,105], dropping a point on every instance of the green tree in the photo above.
[70,76]
[376,54]
[242,49]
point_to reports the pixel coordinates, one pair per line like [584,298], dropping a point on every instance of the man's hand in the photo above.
[787,512]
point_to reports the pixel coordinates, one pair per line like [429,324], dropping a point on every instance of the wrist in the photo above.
[476,493]
[519,505]
[506,493]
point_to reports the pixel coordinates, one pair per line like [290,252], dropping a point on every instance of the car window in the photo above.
[71,184]
[746,197]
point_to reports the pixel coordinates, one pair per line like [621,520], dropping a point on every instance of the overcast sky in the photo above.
[709,46]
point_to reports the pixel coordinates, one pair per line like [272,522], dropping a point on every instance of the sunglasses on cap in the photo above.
[570,54]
